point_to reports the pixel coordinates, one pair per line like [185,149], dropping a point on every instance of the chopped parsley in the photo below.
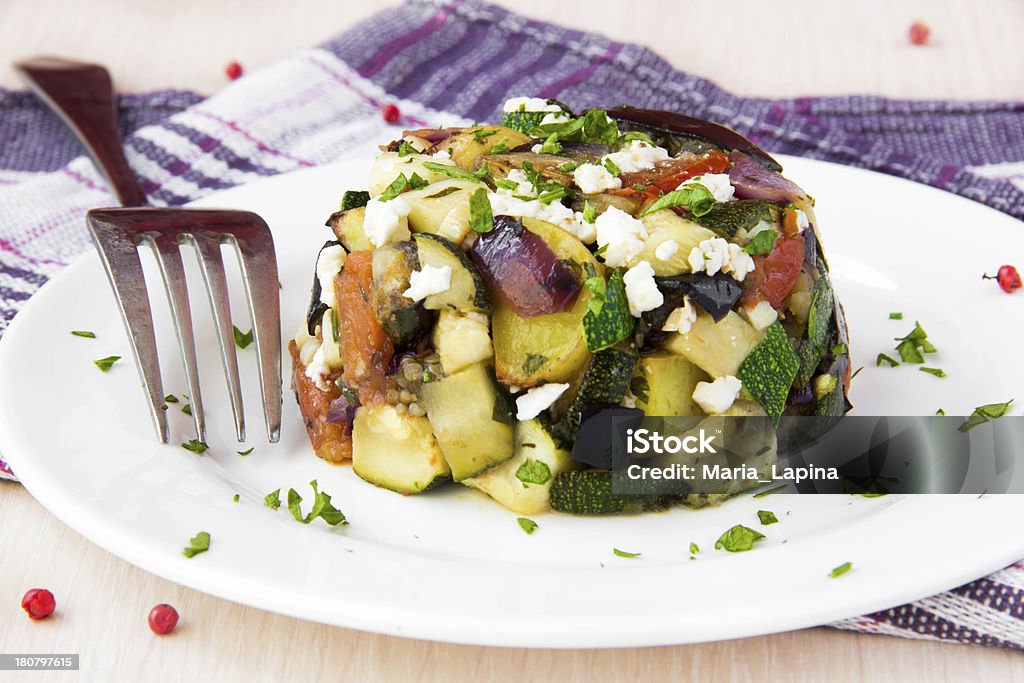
[527,525]
[856,372]
[612,168]
[170,398]
[500,148]
[481,133]
[597,287]
[767,517]
[273,499]
[187,409]
[938,372]
[199,543]
[481,218]
[762,243]
[84,333]
[242,340]
[533,472]
[985,413]
[623,553]
[402,184]
[551,145]
[839,349]
[840,570]
[589,212]
[738,539]
[940,411]
[914,345]
[896,316]
[506,184]
[236,498]
[694,548]
[551,195]
[405,149]
[195,446]
[695,197]
[246,452]
[322,507]
[882,358]
[568,167]
[594,127]
[456,172]
[105,364]
[631,135]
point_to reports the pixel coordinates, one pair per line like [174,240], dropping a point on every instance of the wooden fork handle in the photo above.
[83,95]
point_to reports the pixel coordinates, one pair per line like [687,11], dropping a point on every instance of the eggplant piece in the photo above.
[317,308]
[500,165]
[667,125]
[523,268]
[717,294]
[751,180]
[593,445]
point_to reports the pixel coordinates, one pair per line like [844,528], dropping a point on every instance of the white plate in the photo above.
[453,566]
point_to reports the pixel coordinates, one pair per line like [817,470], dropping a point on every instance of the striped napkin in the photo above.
[449,62]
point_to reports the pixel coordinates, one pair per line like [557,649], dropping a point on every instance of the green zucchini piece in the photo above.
[728,218]
[462,339]
[402,318]
[534,444]
[812,347]
[461,409]
[468,291]
[523,121]
[768,372]
[663,385]
[348,227]
[604,383]
[717,348]
[612,322]
[589,492]
[663,226]
[396,452]
[353,199]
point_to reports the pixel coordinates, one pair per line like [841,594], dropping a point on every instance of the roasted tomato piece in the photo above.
[666,176]
[775,274]
[366,349]
[331,441]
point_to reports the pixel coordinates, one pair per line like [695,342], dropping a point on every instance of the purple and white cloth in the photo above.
[449,62]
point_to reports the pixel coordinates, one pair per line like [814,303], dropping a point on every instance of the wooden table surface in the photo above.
[801,48]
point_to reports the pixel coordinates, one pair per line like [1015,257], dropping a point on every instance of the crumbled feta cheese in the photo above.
[554,117]
[532,104]
[429,280]
[386,222]
[717,397]
[622,234]
[642,292]
[317,369]
[717,254]
[716,183]
[638,156]
[441,155]
[556,213]
[308,350]
[594,178]
[802,222]
[523,184]
[681,319]
[762,315]
[538,148]
[628,400]
[538,399]
[328,265]
[666,250]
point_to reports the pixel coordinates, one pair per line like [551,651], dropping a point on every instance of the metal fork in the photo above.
[82,94]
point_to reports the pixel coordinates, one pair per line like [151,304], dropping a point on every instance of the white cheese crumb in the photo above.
[386,222]
[666,250]
[538,399]
[537,149]
[504,204]
[762,315]
[317,369]
[628,400]
[429,280]
[681,319]
[328,265]
[717,397]
[642,292]
[523,184]
[531,104]
[554,117]
[441,155]
[802,222]
[716,183]
[594,178]
[717,254]
[622,234]
[638,156]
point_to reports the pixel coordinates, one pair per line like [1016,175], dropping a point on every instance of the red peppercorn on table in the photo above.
[103,604]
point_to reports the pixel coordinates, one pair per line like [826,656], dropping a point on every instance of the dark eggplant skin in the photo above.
[317,308]
[716,294]
[674,123]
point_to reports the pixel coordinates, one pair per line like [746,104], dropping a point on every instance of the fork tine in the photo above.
[212,265]
[258,261]
[120,259]
[168,253]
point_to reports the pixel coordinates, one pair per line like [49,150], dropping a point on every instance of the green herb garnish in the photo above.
[481,219]
[481,133]
[631,135]
[500,148]
[199,543]
[594,126]
[245,452]
[242,340]
[762,243]
[914,345]
[273,499]
[533,362]
[528,525]
[982,414]
[767,517]
[839,349]
[738,539]
[694,196]
[170,398]
[895,316]
[506,184]
[236,498]
[187,409]
[938,372]
[322,507]
[882,358]
[589,212]
[105,364]
[597,287]
[533,472]
[84,333]
[405,149]
[694,548]
[623,553]
[612,168]
[196,446]
[456,172]
[551,195]
[840,570]
[568,167]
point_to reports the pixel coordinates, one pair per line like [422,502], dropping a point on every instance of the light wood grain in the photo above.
[753,47]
